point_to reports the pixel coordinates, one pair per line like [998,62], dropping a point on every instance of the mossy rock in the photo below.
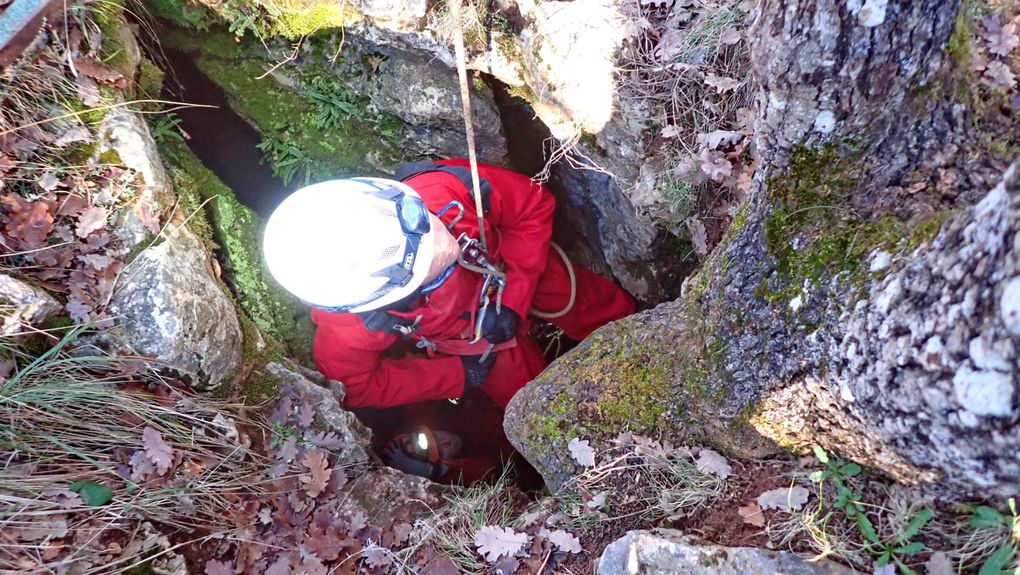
[234,231]
[284,109]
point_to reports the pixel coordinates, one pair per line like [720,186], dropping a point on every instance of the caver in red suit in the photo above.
[518,226]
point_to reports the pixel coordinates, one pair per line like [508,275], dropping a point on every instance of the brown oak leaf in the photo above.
[31,222]
[100,73]
[161,454]
[217,567]
[752,514]
[91,220]
[315,482]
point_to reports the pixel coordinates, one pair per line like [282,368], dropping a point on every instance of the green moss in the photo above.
[235,230]
[961,41]
[286,113]
[182,13]
[299,18]
[110,157]
[150,79]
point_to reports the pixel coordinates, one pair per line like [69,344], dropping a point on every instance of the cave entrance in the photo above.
[229,146]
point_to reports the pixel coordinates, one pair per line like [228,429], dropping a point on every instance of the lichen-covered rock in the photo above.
[23,305]
[172,309]
[326,396]
[669,552]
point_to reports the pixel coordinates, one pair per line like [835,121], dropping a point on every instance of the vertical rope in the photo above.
[469,127]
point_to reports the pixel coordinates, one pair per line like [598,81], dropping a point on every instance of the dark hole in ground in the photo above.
[221,139]
[227,145]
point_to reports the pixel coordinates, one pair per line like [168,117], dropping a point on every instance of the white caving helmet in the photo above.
[350,245]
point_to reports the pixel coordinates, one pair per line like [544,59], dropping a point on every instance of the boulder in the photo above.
[22,304]
[172,309]
[669,552]
[326,395]
[126,134]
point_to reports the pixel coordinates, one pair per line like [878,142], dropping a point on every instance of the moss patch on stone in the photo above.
[235,232]
[287,114]
[299,18]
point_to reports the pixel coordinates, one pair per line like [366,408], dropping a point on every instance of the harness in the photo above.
[473,258]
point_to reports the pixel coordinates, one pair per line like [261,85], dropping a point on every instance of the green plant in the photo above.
[883,549]
[166,130]
[335,107]
[886,550]
[280,434]
[286,159]
[984,517]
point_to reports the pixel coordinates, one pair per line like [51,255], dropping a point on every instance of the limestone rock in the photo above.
[327,396]
[425,94]
[127,134]
[669,552]
[23,304]
[172,309]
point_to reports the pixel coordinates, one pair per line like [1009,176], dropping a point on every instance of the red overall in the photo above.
[518,227]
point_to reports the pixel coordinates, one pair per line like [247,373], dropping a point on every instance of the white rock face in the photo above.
[986,393]
[171,308]
[125,133]
[22,304]
[1009,306]
[669,552]
[872,13]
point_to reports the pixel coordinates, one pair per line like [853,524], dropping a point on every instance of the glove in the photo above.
[475,373]
[397,459]
[500,327]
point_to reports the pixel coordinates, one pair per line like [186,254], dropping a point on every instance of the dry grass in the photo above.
[67,418]
[451,529]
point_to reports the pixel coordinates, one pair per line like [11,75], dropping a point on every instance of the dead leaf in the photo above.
[785,498]
[581,452]
[752,515]
[1003,39]
[441,565]
[281,566]
[217,567]
[306,414]
[91,220]
[1000,75]
[721,84]
[374,62]
[939,564]
[719,137]
[670,131]
[161,454]
[597,500]
[711,462]
[73,136]
[564,541]
[669,46]
[100,73]
[358,521]
[78,311]
[715,165]
[730,36]
[312,565]
[141,467]
[72,205]
[288,450]
[31,222]
[378,557]
[48,181]
[316,481]
[401,531]
[494,542]
[506,566]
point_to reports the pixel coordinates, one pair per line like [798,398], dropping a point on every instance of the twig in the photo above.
[545,561]
[102,108]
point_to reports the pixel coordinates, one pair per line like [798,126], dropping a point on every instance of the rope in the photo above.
[573,289]
[469,128]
